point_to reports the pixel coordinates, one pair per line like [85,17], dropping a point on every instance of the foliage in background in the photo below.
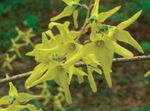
[22,13]
[36,13]
[15,101]
[59,52]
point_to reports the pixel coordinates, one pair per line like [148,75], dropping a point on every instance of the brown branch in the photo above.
[115,60]
[16,77]
[86,21]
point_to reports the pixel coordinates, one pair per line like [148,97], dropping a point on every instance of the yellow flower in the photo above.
[92,65]
[14,100]
[122,35]
[54,72]
[101,17]
[60,45]
[7,61]
[71,8]
[15,47]
[103,49]
[25,36]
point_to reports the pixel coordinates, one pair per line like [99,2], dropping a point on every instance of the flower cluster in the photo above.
[60,50]
[16,101]
[22,39]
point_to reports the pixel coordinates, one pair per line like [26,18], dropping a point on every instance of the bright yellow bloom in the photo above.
[71,8]
[13,101]
[55,72]
[101,17]
[103,49]
[121,35]
[60,45]
[58,53]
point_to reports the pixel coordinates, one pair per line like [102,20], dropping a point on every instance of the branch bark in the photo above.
[115,60]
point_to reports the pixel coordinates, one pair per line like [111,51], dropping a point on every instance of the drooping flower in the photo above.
[102,49]
[71,8]
[13,101]
[122,35]
[101,17]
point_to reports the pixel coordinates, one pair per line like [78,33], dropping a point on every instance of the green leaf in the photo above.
[35,103]
[145,108]
[135,109]
[145,45]
[30,20]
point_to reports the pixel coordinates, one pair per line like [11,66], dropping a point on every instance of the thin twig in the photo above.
[16,77]
[115,60]
[86,21]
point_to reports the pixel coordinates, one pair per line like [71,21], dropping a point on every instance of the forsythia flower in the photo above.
[103,44]
[7,61]
[17,101]
[25,36]
[71,8]
[58,53]
[15,47]
[49,54]
[101,17]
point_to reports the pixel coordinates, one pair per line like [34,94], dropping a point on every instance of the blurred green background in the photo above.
[130,92]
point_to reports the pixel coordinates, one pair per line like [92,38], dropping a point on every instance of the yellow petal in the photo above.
[74,34]
[85,50]
[3,109]
[120,50]
[91,80]
[71,71]
[99,71]
[68,2]
[147,74]
[63,28]
[64,84]
[4,100]
[44,38]
[49,75]
[95,9]
[91,59]
[79,72]
[80,79]
[24,97]
[104,15]
[22,107]
[50,34]
[128,22]
[94,36]
[125,36]
[12,90]
[66,12]
[75,18]
[105,58]
[36,74]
